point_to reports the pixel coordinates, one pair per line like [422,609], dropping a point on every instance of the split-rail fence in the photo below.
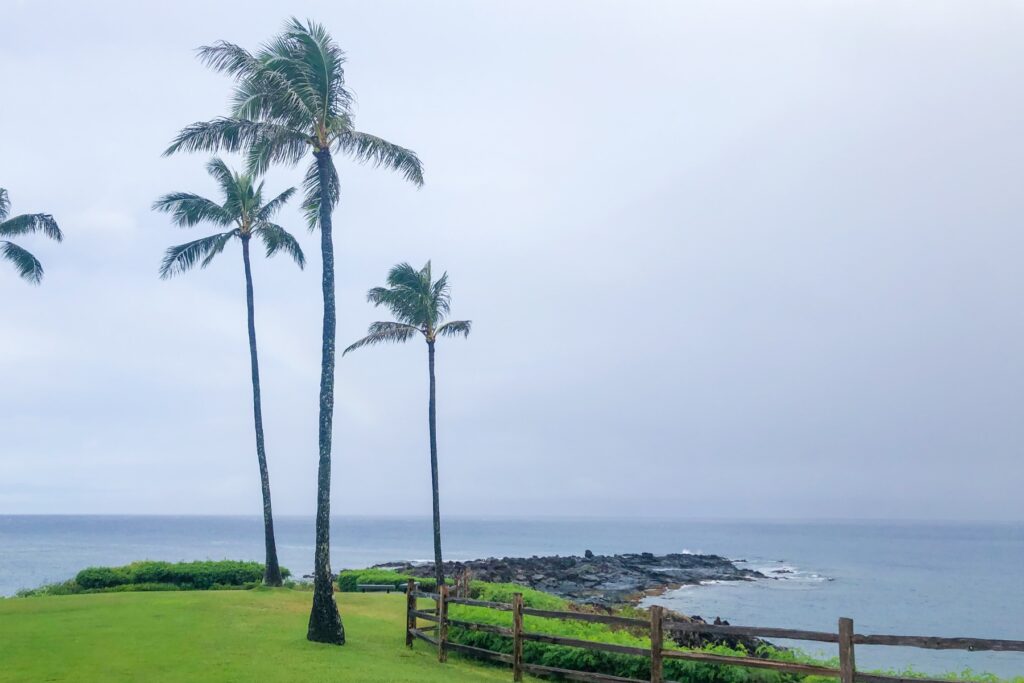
[658,624]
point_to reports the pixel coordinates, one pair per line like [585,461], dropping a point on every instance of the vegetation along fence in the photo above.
[657,626]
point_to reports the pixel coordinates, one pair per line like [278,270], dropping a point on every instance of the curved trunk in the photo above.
[271,570]
[324,620]
[432,416]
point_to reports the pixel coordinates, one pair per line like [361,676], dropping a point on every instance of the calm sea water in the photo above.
[891,577]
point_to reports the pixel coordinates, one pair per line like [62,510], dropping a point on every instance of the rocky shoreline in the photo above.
[600,580]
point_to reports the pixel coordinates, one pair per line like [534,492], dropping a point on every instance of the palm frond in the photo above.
[440,296]
[324,63]
[404,296]
[184,257]
[228,58]
[454,328]
[417,302]
[296,62]
[314,193]
[28,265]
[237,188]
[30,223]
[413,297]
[370,149]
[278,145]
[254,99]
[225,177]
[270,209]
[382,332]
[275,239]
[223,133]
[260,92]
[381,296]
[404,275]
[5,204]
[188,209]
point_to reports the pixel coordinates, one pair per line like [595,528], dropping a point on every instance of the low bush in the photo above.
[503,592]
[72,587]
[102,577]
[350,579]
[607,663]
[202,575]
[62,588]
[136,588]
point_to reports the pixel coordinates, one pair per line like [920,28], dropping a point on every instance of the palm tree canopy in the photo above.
[242,210]
[419,303]
[290,98]
[26,223]
[28,266]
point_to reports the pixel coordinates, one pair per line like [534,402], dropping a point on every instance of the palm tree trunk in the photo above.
[271,570]
[324,620]
[438,562]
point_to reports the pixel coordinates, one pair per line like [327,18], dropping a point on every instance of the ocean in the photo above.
[914,578]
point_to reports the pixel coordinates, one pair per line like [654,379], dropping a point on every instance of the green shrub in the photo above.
[62,588]
[503,592]
[102,577]
[136,588]
[202,575]
[559,656]
[349,579]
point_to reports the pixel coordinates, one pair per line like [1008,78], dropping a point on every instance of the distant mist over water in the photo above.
[917,578]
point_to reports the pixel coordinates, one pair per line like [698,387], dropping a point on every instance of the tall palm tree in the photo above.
[290,98]
[245,215]
[28,265]
[420,306]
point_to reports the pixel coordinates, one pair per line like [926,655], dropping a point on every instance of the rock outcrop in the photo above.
[602,580]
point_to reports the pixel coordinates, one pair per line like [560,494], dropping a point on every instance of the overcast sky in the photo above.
[723,259]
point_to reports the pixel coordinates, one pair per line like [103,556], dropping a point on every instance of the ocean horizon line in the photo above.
[817,520]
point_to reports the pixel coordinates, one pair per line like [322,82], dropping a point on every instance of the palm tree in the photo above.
[420,306]
[290,98]
[245,215]
[28,265]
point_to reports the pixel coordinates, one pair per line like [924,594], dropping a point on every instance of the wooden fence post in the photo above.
[847,664]
[442,623]
[657,642]
[517,637]
[410,607]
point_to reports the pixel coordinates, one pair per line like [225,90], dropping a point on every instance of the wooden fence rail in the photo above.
[844,637]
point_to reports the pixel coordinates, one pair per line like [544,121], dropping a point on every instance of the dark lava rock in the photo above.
[603,580]
[694,639]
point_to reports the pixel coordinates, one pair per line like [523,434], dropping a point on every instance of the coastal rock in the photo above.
[693,639]
[602,580]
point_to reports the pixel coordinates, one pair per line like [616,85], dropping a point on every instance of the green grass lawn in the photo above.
[256,635]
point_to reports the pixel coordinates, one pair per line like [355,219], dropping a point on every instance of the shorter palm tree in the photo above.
[420,306]
[28,265]
[244,212]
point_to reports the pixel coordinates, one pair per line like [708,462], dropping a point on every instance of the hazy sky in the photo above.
[754,259]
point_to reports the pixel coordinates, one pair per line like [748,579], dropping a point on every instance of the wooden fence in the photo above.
[845,638]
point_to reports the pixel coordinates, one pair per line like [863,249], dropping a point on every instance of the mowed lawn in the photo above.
[256,635]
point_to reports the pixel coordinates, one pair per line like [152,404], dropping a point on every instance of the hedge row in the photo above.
[349,579]
[184,575]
